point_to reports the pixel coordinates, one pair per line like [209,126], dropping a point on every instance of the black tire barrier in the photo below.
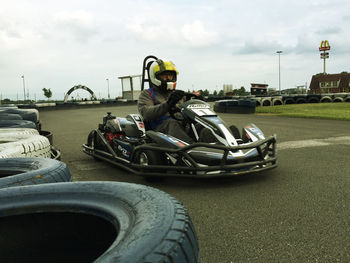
[26,115]
[32,170]
[326,99]
[27,106]
[266,102]
[220,106]
[94,222]
[347,99]
[10,116]
[313,99]
[277,102]
[338,99]
[288,100]
[17,124]
[241,106]
[300,100]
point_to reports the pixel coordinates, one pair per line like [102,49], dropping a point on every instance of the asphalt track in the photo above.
[298,212]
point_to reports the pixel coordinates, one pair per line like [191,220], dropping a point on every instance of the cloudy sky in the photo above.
[60,44]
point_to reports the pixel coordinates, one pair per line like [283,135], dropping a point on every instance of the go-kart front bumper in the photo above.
[256,157]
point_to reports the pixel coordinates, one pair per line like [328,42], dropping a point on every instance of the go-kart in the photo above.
[128,143]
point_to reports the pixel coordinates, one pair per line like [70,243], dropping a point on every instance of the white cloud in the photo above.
[61,44]
[191,34]
[196,35]
[80,24]
[151,30]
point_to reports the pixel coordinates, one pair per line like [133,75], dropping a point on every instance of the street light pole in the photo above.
[24,89]
[108,88]
[279,69]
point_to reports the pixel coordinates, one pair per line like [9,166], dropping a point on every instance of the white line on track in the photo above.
[345,140]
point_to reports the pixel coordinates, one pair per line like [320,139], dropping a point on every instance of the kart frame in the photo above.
[265,160]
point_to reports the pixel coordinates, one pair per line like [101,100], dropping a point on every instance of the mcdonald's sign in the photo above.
[324,45]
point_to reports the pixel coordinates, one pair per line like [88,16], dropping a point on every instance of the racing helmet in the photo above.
[159,68]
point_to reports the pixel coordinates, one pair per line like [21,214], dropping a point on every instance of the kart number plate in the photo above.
[203,112]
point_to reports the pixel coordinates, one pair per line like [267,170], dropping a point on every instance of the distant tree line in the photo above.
[235,92]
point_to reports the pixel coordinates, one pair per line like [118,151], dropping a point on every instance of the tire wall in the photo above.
[266,101]
[326,99]
[24,145]
[277,101]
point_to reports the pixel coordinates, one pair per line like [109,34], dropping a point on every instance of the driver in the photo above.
[154,103]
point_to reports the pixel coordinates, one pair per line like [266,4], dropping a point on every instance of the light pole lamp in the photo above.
[279,70]
[24,89]
[108,88]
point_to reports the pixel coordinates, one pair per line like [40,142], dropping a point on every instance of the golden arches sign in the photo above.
[324,45]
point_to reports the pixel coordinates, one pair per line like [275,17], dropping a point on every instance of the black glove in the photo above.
[174,97]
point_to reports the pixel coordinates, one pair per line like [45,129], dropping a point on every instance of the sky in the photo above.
[60,44]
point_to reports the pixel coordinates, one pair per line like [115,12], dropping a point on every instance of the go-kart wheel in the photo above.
[94,142]
[148,157]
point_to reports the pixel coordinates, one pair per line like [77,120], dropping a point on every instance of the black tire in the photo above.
[32,170]
[91,141]
[151,158]
[95,141]
[48,135]
[220,106]
[241,106]
[25,114]
[94,222]
[17,124]
[10,116]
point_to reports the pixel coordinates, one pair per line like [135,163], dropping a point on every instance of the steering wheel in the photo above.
[175,111]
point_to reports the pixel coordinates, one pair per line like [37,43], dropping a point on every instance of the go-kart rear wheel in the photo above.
[148,157]
[95,142]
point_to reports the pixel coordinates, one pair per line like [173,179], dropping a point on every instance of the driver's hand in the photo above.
[174,97]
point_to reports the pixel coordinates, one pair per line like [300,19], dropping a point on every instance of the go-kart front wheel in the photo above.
[148,157]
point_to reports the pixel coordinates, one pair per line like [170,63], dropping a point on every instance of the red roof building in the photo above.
[330,83]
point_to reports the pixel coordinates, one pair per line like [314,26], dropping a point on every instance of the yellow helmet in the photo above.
[160,67]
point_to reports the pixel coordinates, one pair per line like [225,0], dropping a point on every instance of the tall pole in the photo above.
[279,70]
[324,62]
[24,90]
[324,55]
[108,88]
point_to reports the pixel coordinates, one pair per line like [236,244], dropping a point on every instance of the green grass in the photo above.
[335,111]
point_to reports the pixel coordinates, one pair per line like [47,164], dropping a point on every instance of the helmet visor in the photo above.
[168,76]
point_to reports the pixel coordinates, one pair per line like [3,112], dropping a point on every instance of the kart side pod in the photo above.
[252,133]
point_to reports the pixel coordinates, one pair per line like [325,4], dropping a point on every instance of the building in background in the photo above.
[330,83]
[228,89]
[258,89]
[131,87]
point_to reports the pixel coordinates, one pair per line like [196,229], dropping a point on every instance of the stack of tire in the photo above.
[240,106]
[21,134]
[44,217]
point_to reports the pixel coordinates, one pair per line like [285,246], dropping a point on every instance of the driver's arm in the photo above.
[148,110]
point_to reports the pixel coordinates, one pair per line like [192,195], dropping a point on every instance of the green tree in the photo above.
[215,93]
[47,93]
[205,93]
[221,93]
[242,91]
